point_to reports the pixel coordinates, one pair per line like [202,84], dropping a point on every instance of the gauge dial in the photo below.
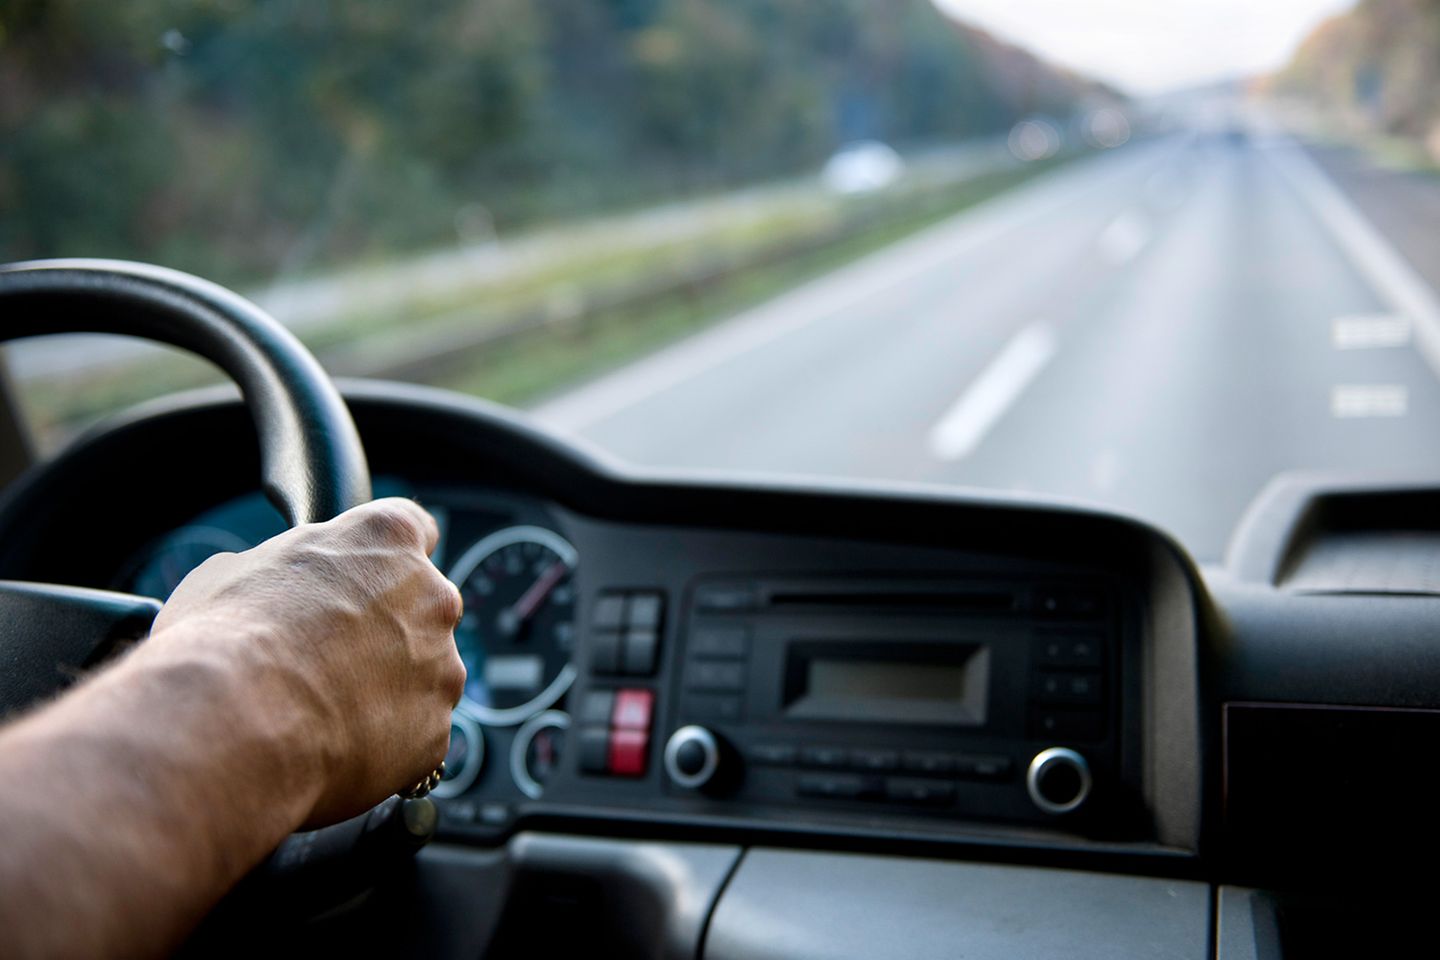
[464,757]
[519,626]
[536,751]
[174,556]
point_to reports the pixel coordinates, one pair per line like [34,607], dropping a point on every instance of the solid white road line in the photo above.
[1369,332]
[1352,401]
[989,395]
[1387,271]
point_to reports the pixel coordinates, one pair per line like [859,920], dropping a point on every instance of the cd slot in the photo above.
[910,599]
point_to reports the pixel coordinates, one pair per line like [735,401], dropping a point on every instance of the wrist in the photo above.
[268,719]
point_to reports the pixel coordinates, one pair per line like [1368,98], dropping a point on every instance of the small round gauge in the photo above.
[536,751]
[519,626]
[463,759]
[175,555]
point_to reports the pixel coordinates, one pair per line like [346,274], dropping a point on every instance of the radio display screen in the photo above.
[906,684]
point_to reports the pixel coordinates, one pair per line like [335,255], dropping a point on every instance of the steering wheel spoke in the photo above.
[49,634]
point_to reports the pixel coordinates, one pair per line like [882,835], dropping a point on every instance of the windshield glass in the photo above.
[1144,255]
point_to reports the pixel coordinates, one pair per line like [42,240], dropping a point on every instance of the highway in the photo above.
[1159,329]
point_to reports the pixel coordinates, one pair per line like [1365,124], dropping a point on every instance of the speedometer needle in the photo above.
[513,617]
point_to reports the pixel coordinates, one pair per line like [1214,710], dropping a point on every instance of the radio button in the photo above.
[720,643]
[628,750]
[983,768]
[928,761]
[595,749]
[1077,688]
[1068,725]
[834,757]
[639,651]
[596,708]
[713,707]
[717,677]
[632,709]
[875,761]
[910,790]
[605,653]
[609,612]
[774,754]
[724,598]
[1063,650]
[645,611]
[838,786]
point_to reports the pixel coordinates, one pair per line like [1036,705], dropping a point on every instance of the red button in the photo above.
[632,710]
[627,752]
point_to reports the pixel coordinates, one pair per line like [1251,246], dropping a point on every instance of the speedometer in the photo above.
[518,631]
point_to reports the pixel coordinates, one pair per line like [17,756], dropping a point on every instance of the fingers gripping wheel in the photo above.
[312,463]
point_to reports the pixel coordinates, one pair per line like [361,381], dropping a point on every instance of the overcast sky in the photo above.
[1149,46]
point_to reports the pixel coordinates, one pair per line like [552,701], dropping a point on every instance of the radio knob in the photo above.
[1058,780]
[692,757]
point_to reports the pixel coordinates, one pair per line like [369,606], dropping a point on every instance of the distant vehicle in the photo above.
[864,166]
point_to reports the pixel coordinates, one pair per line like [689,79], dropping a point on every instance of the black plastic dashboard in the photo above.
[855,670]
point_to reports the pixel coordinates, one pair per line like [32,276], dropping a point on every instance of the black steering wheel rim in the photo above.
[313,465]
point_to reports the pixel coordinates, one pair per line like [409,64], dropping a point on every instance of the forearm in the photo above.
[131,809]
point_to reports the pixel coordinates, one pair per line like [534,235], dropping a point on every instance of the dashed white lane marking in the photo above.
[993,392]
[1376,258]
[869,279]
[1124,238]
[1351,401]
[1370,332]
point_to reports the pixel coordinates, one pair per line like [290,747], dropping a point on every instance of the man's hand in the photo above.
[354,624]
[291,685]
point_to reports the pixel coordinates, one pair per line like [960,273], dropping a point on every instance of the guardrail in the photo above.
[426,355]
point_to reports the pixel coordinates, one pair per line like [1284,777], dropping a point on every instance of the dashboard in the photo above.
[699,708]
[803,681]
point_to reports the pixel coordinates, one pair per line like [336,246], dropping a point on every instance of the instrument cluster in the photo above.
[516,576]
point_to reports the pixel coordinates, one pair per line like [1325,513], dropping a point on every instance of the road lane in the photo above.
[1211,368]
[850,382]
[1190,296]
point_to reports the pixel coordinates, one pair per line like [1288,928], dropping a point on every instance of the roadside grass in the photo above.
[587,336]
[524,372]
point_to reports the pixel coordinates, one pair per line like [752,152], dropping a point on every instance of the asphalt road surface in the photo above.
[1160,329]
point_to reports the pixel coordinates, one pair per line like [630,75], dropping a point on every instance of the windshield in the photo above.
[1144,255]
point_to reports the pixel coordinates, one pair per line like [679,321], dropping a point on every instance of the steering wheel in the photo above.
[312,463]
[312,467]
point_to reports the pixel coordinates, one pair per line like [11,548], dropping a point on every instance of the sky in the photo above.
[1151,46]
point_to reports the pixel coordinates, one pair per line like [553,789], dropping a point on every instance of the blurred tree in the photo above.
[238,138]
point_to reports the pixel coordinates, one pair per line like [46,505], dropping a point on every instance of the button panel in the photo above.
[1067,680]
[716,671]
[967,766]
[625,631]
[1048,653]
[614,731]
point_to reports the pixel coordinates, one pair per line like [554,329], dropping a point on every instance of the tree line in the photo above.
[238,138]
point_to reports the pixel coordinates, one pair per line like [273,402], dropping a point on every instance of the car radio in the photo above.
[973,699]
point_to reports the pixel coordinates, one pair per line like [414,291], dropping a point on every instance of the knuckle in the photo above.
[454,680]
[448,601]
[390,521]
